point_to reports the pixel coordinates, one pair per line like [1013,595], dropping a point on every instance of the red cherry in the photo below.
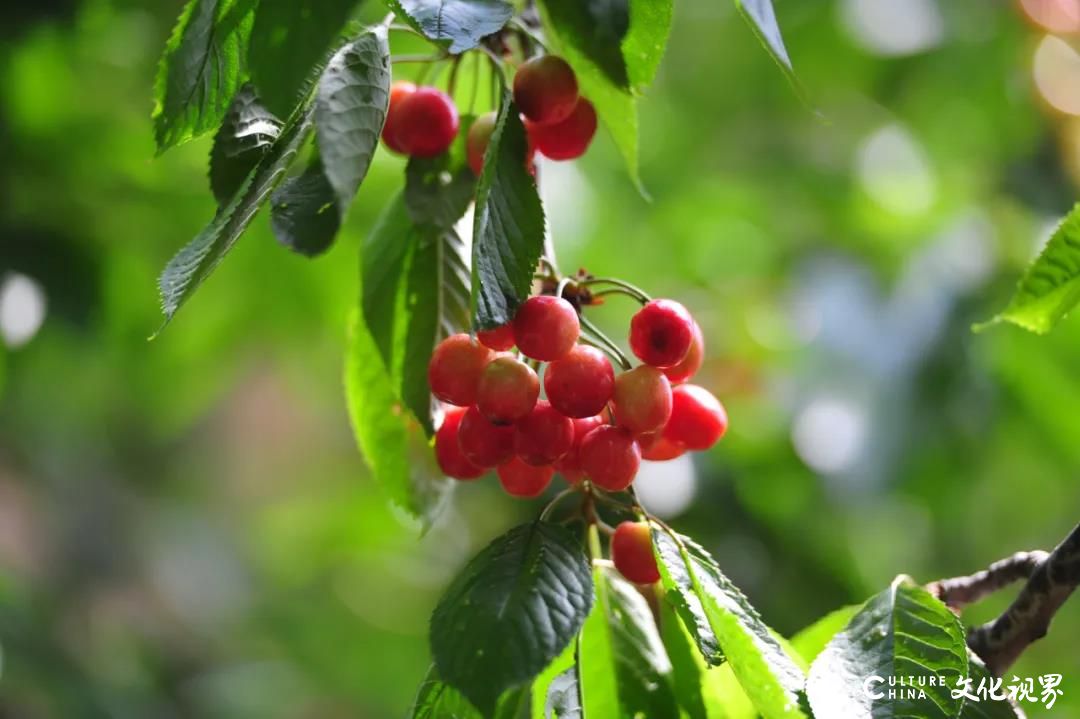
[507,390]
[546,328]
[610,457]
[545,89]
[476,141]
[655,447]
[569,465]
[447,450]
[661,333]
[398,92]
[567,139]
[543,435]
[632,553]
[483,443]
[524,480]
[581,383]
[501,338]
[455,368]
[698,420]
[642,399]
[427,122]
[691,363]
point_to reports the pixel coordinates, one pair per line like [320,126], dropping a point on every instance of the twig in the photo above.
[958,592]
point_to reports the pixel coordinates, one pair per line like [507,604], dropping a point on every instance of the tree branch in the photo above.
[1051,578]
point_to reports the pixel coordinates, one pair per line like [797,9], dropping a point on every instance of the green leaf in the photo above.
[675,573]
[196,260]
[456,24]
[511,611]
[1050,287]
[688,669]
[645,41]
[762,19]
[555,691]
[901,632]
[438,700]
[438,191]
[201,69]
[303,214]
[810,642]
[391,441]
[985,708]
[291,37]
[508,229]
[623,667]
[350,108]
[765,671]
[596,29]
[246,135]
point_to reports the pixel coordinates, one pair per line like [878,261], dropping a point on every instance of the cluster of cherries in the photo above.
[593,423]
[423,121]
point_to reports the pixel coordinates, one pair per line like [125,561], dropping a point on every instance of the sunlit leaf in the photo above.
[458,24]
[248,133]
[645,41]
[810,641]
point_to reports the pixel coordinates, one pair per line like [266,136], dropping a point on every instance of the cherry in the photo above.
[545,89]
[455,368]
[501,338]
[543,435]
[448,452]
[569,465]
[483,443]
[581,383]
[567,139]
[507,390]
[524,480]
[632,552]
[656,447]
[546,328]
[476,141]
[427,122]
[698,420]
[610,457]
[661,333]
[398,92]
[691,363]
[642,399]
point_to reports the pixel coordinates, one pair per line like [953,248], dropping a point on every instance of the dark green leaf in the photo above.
[303,214]
[762,19]
[438,191]
[391,441]
[192,264]
[765,671]
[596,29]
[350,108]
[248,132]
[623,667]
[985,708]
[438,700]
[508,231]
[645,41]
[458,24]
[201,70]
[810,642]
[511,611]
[901,632]
[289,38]
[1051,286]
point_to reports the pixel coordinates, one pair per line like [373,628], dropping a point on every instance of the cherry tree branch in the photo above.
[1051,579]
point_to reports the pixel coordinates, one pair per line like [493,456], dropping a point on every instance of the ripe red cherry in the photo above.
[642,399]
[476,141]
[524,480]
[661,333]
[545,89]
[691,363]
[448,451]
[455,368]
[610,457]
[632,553]
[655,447]
[398,92]
[507,390]
[546,328]
[698,420]
[581,383]
[543,435]
[483,443]
[569,465]
[501,338]
[427,122]
[567,139]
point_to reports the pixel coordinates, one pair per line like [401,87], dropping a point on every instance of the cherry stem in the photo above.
[521,27]
[636,292]
[555,500]
[399,59]
[476,84]
[452,82]
[612,348]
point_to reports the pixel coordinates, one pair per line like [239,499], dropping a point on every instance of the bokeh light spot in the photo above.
[22,309]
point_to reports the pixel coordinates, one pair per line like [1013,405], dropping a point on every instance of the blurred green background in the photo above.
[186,527]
